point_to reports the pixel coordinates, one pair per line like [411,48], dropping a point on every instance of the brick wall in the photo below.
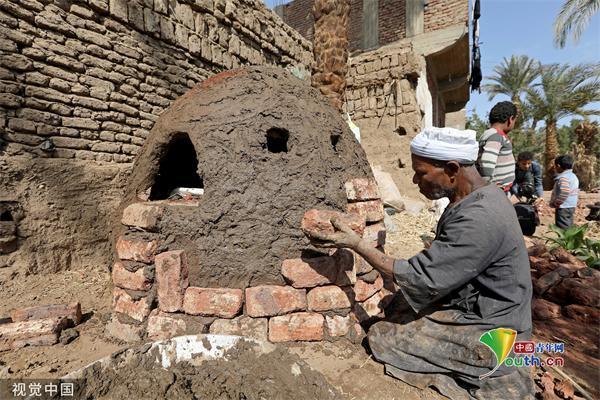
[441,14]
[392,21]
[93,76]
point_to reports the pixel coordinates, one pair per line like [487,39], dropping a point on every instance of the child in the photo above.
[565,192]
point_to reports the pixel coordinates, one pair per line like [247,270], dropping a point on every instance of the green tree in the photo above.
[476,123]
[573,18]
[512,78]
[562,91]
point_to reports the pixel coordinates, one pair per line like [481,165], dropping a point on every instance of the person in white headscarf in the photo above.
[474,278]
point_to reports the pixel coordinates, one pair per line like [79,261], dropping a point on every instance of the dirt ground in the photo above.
[346,366]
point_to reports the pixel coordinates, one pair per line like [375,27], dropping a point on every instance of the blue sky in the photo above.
[517,27]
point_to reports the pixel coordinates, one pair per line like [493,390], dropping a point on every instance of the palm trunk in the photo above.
[551,153]
[330,49]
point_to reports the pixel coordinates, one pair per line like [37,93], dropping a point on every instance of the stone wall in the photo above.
[91,77]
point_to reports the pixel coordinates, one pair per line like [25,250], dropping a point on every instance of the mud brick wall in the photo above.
[370,80]
[440,14]
[324,297]
[94,75]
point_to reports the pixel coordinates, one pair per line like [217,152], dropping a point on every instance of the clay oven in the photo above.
[211,219]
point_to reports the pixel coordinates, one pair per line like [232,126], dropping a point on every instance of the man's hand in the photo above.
[343,237]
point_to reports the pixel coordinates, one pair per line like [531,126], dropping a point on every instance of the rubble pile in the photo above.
[563,285]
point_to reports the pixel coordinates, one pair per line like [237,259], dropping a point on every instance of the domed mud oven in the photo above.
[246,154]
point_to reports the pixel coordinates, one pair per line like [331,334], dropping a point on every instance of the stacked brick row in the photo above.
[326,297]
[370,80]
[93,76]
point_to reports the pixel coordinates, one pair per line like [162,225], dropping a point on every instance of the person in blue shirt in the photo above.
[528,177]
[565,192]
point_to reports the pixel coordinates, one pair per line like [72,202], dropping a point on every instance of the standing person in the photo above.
[474,277]
[496,162]
[565,192]
[528,177]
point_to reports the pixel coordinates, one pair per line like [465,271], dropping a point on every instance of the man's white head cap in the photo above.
[446,144]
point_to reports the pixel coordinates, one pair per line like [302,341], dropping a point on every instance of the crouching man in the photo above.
[474,278]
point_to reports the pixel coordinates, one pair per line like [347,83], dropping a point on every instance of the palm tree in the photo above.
[573,18]
[512,78]
[330,49]
[563,91]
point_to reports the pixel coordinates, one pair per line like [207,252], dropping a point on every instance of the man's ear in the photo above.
[452,168]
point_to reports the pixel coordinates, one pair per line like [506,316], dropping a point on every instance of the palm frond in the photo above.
[573,18]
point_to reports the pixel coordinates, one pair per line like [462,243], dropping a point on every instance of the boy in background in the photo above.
[565,192]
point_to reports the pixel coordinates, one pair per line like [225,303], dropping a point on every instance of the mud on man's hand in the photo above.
[342,237]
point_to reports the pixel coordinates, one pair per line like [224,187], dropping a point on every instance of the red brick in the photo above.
[304,326]
[364,290]
[327,298]
[375,234]
[369,308]
[243,325]
[267,301]
[163,326]
[171,279]
[362,266]
[362,189]
[125,279]
[310,272]
[71,311]
[125,304]
[125,332]
[142,215]
[371,210]
[222,303]
[136,250]
[338,325]
[37,332]
[320,221]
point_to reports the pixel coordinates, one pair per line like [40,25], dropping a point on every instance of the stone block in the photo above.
[118,9]
[142,215]
[135,15]
[222,303]
[338,325]
[151,21]
[136,250]
[270,300]
[124,303]
[16,62]
[163,326]
[126,279]
[327,298]
[171,279]
[320,221]
[302,326]
[255,328]
[71,312]
[38,332]
[371,210]
[361,189]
